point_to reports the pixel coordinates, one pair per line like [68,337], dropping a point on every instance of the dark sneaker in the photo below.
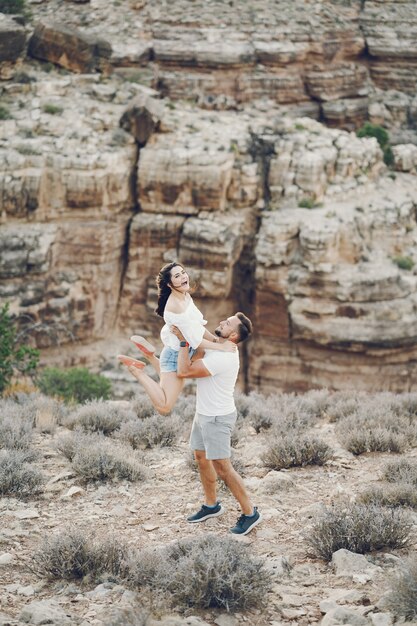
[206,512]
[246,523]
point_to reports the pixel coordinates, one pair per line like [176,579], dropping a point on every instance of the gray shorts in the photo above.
[212,433]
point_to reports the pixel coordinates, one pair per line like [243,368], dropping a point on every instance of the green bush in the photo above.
[4,113]
[382,137]
[12,7]
[52,109]
[12,355]
[403,262]
[76,384]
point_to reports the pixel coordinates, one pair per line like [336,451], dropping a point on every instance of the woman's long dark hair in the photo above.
[162,282]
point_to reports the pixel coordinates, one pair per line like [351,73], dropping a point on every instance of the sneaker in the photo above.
[205,513]
[140,342]
[127,360]
[246,523]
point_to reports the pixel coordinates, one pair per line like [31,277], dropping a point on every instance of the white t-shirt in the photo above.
[191,323]
[215,392]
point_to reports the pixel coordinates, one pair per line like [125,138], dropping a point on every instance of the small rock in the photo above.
[292,613]
[381,619]
[27,514]
[341,615]
[45,612]
[74,491]
[352,565]
[6,558]
[226,620]
[149,527]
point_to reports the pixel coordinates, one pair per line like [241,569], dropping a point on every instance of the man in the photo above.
[216,374]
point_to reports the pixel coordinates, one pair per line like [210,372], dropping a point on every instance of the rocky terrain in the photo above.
[151,513]
[220,135]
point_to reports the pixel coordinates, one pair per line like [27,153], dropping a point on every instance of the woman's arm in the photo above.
[206,344]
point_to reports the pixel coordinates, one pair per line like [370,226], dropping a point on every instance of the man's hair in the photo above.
[245,327]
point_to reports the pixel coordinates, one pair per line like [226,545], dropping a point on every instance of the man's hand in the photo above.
[177,333]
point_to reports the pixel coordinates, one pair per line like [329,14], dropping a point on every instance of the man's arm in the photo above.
[185,368]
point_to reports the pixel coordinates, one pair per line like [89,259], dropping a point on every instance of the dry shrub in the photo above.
[142,406]
[388,494]
[150,431]
[77,554]
[295,450]
[185,409]
[95,458]
[17,477]
[48,413]
[359,528]
[379,424]
[206,572]
[99,416]
[401,471]
[402,599]
[400,488]
[344,403]
[15,428]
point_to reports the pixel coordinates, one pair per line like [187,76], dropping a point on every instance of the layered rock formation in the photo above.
[301,226]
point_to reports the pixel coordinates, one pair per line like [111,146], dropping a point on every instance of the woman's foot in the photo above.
[144,346]
[129,362]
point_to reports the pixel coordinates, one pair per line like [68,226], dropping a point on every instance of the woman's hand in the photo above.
[227,346]
[176,331]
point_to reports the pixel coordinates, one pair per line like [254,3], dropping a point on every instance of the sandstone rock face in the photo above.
[65,213]
[69,48]
[12,45]
[303,227]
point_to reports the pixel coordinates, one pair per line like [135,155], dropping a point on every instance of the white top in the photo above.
[191,323]
[215,392]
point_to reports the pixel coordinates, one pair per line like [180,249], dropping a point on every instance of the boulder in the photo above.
[70,48]
[12,45]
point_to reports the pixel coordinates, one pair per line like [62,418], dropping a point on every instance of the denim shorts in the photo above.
[212,433]
[168,359]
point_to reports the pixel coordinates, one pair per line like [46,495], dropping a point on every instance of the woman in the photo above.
[177,308]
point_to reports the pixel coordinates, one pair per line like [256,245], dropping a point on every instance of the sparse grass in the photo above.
[5,113]
[150,431]
[206,572]
[402,599]
[307,203]
[403,262]
[17,477]
[295,450]
[99,417]
[77,554]
[52,109]
[359,528]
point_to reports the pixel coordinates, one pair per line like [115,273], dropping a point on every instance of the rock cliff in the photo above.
[197,141]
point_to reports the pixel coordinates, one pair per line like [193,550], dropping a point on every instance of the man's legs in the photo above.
[208,477]
[234,482]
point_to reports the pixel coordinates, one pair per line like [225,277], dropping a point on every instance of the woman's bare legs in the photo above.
[148,351]
[163,395]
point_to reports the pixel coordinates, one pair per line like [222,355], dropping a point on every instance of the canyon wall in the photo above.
[206,155]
